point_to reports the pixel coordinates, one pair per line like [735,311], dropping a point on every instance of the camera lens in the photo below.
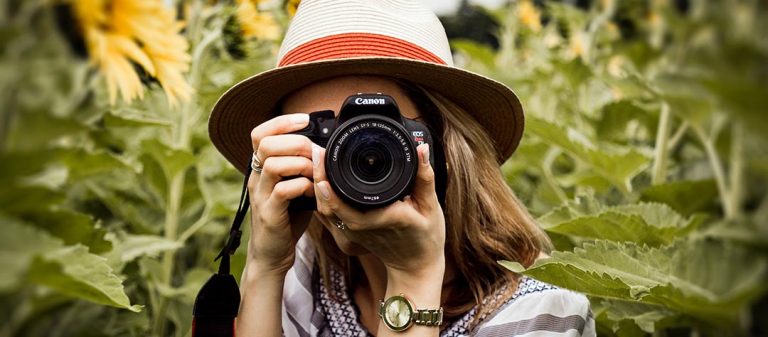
[371,161]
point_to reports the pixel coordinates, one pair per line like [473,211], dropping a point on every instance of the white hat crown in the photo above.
[328,29]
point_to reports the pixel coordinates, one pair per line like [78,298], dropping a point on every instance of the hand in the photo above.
[274,232]
[407,236]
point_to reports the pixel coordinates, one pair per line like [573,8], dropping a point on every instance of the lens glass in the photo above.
[370,155]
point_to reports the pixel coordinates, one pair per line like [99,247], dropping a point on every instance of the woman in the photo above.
[330,272]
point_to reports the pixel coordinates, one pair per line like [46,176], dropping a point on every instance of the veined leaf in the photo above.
[707,279]
[29,254]
[171,160]
[685,197]
[83,163]
[75,272]
[617,164]
[19,244]
[647,317]
[130,247]
[129,118]
[644,223]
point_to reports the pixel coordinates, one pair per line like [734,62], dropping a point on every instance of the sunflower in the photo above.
[122,33]
[529,15]
[254,23]
[291,6]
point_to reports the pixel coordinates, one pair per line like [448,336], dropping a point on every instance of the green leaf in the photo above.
[132,118]
[616,117]
[686,197]
[82,163]
[70,226]
[130,247]
[173,161]
[707,279]
[477,52]
[644,223]
[19,244]
[617,164]
[647,317]
[75,272]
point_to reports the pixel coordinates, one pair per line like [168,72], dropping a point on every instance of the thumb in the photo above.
[424,187]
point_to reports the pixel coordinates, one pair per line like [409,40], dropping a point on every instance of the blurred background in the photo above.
[645,156]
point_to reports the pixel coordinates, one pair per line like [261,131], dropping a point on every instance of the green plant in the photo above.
[644,157]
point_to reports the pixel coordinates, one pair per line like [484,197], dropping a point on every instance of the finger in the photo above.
[284,192]
[318,175]
[423,194]
[277,168]
[284,145]
[278,125]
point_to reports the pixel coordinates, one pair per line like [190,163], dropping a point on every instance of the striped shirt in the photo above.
[535,309]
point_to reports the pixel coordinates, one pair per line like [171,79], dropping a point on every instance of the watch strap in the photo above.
[428,317]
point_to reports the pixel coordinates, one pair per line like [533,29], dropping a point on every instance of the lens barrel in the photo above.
[371,161]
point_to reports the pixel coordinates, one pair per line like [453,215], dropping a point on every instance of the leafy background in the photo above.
[644,158]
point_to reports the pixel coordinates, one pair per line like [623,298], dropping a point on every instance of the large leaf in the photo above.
[708,279]
[173,161]
[28,254]
[130,247]
[617,164]
[686,197]
[75,272]
[70,226]
[643,223]
[19,244]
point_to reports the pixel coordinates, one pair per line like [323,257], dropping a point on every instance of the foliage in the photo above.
[644,159]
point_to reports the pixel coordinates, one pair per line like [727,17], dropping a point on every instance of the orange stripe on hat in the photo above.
[351,45]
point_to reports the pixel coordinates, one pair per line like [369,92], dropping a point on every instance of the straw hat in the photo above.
[399,39]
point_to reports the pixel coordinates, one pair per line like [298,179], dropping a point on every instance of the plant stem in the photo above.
[546,169]
[659,172]
[717,170]
[736,170]
[677,136]
[171,228]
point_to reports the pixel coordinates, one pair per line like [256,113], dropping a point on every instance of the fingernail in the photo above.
[425,158]
[324,190]
[315,155]
[300,118]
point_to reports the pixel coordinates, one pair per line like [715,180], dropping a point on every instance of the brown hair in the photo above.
[485,222]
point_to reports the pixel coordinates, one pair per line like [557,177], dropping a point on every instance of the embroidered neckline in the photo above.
[342,315]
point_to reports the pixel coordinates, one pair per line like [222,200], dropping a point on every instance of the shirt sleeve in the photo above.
[554,312]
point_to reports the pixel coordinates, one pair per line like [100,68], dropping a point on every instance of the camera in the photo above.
[371,159]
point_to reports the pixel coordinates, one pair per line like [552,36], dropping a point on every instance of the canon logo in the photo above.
[366,101]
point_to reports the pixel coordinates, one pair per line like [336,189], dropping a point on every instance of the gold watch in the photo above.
[398,314]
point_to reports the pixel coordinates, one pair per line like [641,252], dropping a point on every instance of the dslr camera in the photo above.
[371,159]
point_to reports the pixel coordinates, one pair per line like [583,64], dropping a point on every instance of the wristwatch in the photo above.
[398,314]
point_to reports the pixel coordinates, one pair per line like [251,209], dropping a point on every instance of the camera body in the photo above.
[371,159]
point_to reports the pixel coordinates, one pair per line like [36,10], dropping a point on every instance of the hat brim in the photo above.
[254,100]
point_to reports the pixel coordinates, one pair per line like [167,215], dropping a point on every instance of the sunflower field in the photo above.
[645,156]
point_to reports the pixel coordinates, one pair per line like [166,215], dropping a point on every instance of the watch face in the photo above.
[397,313]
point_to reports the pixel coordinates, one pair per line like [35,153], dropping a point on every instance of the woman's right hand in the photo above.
[274,232]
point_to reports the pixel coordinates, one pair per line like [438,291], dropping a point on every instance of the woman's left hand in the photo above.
[407,236]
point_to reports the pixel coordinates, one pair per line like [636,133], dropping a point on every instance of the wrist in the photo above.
[423,285]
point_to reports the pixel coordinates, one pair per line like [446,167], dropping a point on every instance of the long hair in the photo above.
[485,222]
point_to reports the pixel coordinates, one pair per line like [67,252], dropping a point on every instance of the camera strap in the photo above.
[218,301]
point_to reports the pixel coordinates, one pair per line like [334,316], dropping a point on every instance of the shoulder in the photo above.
[543,310]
